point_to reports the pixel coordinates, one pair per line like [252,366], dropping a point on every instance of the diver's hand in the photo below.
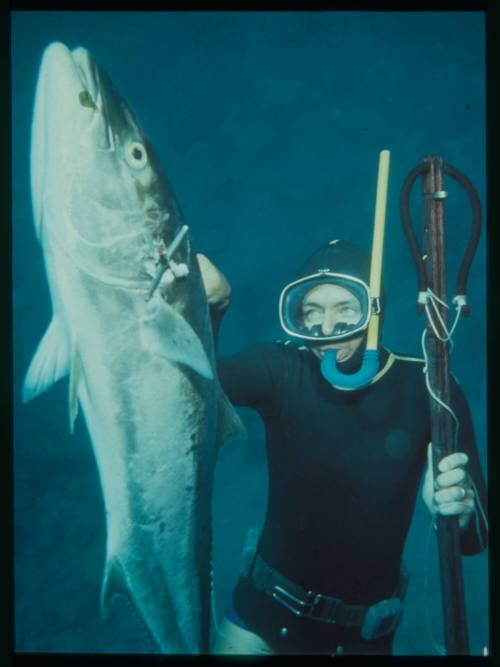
[451,493]
[217,288]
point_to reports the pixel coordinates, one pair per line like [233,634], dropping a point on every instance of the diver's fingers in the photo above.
[453,461]
[429,456]
[208,270]
[428,485]
[457,508]
[217,287]
[452,509]
[450,478]
[449,502]
[451,494]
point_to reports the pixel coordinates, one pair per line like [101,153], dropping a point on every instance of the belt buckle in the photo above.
[302,607]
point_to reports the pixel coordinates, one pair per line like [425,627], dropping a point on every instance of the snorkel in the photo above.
[370,363]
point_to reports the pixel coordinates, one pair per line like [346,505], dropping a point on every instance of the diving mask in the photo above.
[325,306]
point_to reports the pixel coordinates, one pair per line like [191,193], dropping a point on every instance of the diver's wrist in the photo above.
[217,287]
[219,305]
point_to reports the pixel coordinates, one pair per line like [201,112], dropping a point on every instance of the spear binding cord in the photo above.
[432,298]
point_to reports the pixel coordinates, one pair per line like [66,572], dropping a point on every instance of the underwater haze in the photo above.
[269,126]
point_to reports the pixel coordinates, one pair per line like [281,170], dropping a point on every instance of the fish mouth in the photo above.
[71,88]
[64,73]
[62,125]
[95,96]
[89,77]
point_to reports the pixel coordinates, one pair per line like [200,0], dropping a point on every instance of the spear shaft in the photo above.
[442,425]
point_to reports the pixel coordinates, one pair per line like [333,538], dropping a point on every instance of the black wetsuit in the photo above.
[344,472]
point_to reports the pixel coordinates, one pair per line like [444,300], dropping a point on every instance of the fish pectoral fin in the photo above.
[229,424]
[114,583]
[166,333]
[49,364]
[74,379]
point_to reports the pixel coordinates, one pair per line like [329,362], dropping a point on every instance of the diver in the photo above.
[344,466]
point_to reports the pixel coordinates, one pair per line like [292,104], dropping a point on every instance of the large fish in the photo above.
[131,328]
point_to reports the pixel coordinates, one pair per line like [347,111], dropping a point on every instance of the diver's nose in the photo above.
[328,324]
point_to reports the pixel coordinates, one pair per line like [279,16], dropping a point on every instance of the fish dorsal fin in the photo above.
[166,333]
[74,379]
[50,363]
[229,424]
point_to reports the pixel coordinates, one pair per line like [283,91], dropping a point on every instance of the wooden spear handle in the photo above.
[378,243]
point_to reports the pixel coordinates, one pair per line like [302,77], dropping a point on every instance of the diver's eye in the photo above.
[312,317]
[136,155]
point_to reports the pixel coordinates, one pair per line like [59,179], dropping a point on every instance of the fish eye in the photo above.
[136,155]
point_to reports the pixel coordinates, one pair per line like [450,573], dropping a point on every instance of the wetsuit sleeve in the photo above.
[474,537]
[250,378]
[216,315]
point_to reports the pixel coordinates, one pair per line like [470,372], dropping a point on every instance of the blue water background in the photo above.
[269,126]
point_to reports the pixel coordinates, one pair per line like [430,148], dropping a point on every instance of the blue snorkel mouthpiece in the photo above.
[361,378]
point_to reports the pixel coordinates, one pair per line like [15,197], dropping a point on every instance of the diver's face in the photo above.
[325,306]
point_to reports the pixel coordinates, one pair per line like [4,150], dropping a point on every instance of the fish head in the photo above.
[98,189]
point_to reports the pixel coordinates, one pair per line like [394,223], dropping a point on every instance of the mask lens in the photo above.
[327,307]
[342,329]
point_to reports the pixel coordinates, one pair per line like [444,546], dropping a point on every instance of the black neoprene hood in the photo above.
[336,257]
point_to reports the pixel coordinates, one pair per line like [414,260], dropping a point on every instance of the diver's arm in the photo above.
[216,315]
[218,291]
[248,378]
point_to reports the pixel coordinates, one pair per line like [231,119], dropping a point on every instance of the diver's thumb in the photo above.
[428,486]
